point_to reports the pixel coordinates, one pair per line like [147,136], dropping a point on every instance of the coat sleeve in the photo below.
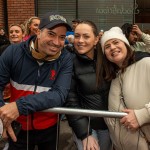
[143,114]
[5,65]
[55,97]
[146,42]
[79,124]
[148,107]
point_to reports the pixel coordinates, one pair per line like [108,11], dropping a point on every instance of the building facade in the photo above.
[105,13]
[15,11]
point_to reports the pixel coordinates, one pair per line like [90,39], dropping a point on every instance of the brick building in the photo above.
[105,13]
[15,11]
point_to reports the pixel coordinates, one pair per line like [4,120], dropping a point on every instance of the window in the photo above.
[65,7]
[105,13]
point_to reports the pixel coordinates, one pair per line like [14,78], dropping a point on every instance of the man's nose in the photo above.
[56,40]
[135,36]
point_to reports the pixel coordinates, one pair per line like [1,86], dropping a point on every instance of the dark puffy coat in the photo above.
[84,94]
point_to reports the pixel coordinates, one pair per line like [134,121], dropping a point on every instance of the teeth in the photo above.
[80,46]
[115,53]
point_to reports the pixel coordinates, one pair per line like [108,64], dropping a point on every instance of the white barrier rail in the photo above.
[86,112]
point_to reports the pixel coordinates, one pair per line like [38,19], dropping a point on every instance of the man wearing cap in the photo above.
[39,71]
[70,34]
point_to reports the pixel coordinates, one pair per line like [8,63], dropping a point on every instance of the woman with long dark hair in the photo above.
[88,89]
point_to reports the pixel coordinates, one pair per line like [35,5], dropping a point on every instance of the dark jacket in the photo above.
[4,43]
[35,86]
[4,40]
[84,94]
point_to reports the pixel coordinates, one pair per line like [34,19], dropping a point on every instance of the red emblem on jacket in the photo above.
[52,74]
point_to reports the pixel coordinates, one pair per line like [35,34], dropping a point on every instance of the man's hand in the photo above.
[11,133]
[130,121]
[90,143]
[9,113]
[137,30]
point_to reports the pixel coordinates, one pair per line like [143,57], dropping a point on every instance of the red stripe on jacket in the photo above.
[40,120]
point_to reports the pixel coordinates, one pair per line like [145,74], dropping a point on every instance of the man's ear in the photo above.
[38,33]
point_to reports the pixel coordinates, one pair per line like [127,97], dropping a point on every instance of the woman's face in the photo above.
[34,26]
[85,40]
[15,34]
[115,51]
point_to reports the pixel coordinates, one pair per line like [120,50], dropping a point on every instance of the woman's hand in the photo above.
[90,143]
[130,121]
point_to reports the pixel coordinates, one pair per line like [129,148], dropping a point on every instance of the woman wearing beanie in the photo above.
[129,72]
[88,90]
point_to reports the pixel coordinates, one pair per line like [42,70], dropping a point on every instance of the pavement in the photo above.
[65,138]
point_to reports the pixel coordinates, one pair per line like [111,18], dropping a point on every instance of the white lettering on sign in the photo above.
[57,17]
[117,10]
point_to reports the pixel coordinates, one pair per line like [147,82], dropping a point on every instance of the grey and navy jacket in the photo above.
[35,87]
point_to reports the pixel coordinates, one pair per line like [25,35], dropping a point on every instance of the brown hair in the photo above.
[98,53]
[111,68]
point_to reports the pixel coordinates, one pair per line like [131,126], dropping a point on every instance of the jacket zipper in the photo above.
[36,82]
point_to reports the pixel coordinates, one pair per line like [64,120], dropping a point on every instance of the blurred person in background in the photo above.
[31,27]
[69,41]
[16,33]
[138,40]
[2,32]
[100,34]
[4,41]
[70,34]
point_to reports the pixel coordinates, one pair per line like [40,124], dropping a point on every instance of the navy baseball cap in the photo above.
[51,19]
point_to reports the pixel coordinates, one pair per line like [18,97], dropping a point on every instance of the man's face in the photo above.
[133,38]
[51,41]
[2,32]
[74,24]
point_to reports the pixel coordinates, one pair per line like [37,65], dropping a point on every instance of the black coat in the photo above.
[84,94]
[3,40]
[4,43]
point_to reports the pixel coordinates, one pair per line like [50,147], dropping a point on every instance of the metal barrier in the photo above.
[82,112]
[86,112]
